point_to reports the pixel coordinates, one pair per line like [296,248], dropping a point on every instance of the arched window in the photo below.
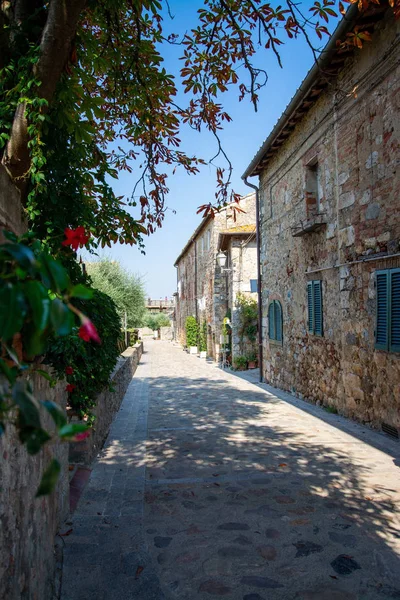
[275,321]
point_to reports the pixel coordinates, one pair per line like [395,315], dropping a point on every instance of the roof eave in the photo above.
[324,58]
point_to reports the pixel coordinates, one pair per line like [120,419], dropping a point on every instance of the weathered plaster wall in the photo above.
[353,132]
[28,524]
[107,406]
[243,260]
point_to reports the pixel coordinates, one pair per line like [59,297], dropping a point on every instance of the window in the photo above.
[387,332]
[207,240]
[253,285]
[314,300]
[313,199]
[275,321]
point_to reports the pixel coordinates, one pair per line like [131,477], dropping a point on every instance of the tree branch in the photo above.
[58,32]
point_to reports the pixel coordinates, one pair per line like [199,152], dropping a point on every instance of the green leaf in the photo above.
[54,276]
[46,375]
[10,372]
[22,254]
[10,235]
[12,310]
[72,429]
[62,319]
[34,341]
[39,302]
[81,291]
[33,438]
[56,412]
[49,479]
[27,404]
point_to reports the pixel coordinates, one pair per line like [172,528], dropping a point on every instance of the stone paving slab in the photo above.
[214,485]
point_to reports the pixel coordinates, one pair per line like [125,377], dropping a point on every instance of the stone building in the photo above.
[202,287]
[239,245]
[330,230]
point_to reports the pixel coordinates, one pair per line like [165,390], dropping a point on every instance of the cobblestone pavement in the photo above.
[210,485]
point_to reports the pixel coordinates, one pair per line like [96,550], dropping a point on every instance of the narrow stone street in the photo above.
[210,485]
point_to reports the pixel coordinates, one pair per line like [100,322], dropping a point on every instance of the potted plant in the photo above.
[240,363]
[252,360]
[192,334]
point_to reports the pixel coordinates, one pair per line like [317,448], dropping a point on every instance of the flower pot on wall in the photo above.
[252,364]
[193,350]
[203,354]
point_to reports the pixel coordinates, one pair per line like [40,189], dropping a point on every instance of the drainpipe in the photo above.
[195,281]
[259,298]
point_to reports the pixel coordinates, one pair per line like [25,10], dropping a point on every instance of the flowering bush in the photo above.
[37,301]
[79,355]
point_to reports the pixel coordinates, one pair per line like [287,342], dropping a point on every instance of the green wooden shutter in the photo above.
[271,321]
[394,315]
[317,298]
[278,321]
[310,307]
[382,310]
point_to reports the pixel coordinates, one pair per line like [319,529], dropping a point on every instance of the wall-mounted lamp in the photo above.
[222,259]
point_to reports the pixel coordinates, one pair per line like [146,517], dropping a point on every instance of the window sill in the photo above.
[314,223]
[275,342]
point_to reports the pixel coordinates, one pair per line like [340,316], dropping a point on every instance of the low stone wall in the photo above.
[107,405]
[28,525]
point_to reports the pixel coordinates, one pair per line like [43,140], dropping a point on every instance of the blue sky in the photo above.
[241,138]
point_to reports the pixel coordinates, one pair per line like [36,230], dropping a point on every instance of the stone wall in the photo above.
[352,136]
[107,406]
[201,285]
[28,524]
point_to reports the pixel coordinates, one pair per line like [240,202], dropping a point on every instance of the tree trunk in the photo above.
[59,30]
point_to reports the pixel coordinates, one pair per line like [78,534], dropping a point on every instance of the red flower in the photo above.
[70,387]
[76,238]
[88,331]
[69,370]
[81,436]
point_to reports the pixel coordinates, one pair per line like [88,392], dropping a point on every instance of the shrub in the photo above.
[92,364]
[156,320]
[192,331]
[125,288]
[240,362]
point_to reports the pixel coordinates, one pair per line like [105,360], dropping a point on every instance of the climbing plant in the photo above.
[247,318]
